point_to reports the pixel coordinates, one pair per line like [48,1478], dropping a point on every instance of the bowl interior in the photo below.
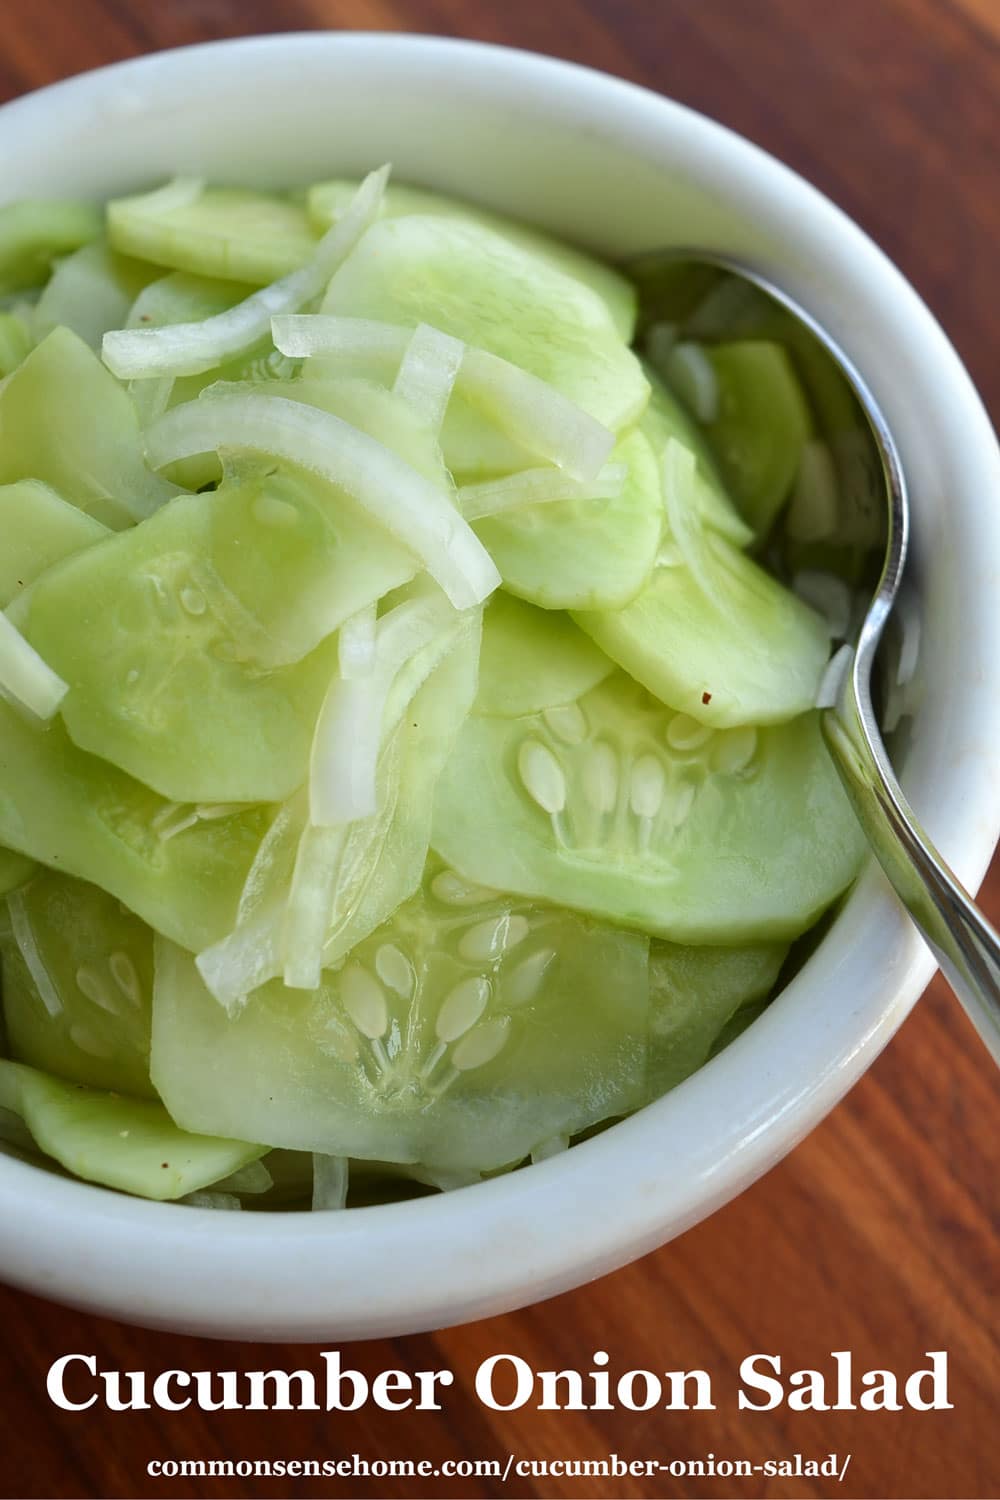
[621,171]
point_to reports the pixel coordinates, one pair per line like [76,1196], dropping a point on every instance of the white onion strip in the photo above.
[677,478]
[248,956]
[427,373]
[419,514]
[24,937]
[330,1182]
[191,348]
[349,730]
[24,677]
[537,487]
[356,644]
[535,414]
[691,374]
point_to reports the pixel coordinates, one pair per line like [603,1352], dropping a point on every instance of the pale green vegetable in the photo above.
[117,1142]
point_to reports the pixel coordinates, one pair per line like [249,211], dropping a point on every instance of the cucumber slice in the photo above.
[226,232]
[182,298]
[34,231]
[90,292]
[128,1144]
[94,962]
[198,647]
[15,870]
[39,529]
[665,418]
[762,425]
[617,806]
[694,994]
[181,869]
[494,295]
[712,633]
[66,421]
[533,659]
[465,1031]
[327,201]
[583,554]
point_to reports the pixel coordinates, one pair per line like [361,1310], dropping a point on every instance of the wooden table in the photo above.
[875,1235]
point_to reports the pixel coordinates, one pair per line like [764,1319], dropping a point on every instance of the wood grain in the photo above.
[878,1234]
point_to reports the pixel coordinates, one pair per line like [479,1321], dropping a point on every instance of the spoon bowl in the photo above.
[706,297]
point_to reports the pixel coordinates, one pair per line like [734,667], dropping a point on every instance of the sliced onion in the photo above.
[537,487]
[303,335]
[192,348]
[411,507]
[535,414]
[242,961]
[829,596]
[689,371]
[310,902]
[24,937]
[249,956]
[356,644]
[252,1178]
[329,1182]
[332,870]
[349,731]
[208,1198]
[678,478]
[834,674]
[24,677]
[427,373]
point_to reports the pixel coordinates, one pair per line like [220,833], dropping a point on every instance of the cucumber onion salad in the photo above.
[405,766]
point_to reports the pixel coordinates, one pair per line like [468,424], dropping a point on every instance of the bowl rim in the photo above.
[489,1248]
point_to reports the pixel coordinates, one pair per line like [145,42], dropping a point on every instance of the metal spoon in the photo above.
[693,295]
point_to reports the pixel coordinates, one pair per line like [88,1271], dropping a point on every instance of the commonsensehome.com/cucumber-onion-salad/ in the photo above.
[405,768]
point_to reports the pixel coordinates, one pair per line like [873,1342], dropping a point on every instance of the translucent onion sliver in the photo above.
[192,348]
[535,414]
[418,513]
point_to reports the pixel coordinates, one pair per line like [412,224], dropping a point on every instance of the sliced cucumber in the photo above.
[128,1144]
[712,633]
[182,298]
[224,232]
[492,294]
[533,659]
[694,993]
[198,647]
[65,420]
[181,869]
[464,1032]
[34,231]
[91,292]
[583,554]
[164,677]
[78,985]
[620,807]
[327,201]
[39,529]
[665,418]
[762,425]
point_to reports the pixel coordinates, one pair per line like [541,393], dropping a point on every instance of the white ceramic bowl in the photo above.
[622,170]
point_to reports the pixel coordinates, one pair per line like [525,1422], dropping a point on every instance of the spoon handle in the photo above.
[964,943]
